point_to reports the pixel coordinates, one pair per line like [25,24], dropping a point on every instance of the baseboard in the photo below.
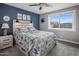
[64,40]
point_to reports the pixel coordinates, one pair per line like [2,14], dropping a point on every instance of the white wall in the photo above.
[67,35]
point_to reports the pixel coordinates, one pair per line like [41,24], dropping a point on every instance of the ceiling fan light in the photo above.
[40,8]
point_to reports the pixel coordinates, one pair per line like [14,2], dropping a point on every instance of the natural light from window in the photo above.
[61,20]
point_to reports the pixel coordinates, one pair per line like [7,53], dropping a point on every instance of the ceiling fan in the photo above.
[41,5]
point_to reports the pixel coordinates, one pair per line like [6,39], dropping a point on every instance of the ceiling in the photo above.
[35,9]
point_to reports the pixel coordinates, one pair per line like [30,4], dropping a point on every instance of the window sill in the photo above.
[63,29]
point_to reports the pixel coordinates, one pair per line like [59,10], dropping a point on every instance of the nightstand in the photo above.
[6,41]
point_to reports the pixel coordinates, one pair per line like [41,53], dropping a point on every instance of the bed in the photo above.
[34,42]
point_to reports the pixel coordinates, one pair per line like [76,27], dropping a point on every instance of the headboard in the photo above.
[20,24]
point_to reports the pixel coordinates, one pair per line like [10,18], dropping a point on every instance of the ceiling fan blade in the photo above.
[41,5]
[48,5]
[34,5]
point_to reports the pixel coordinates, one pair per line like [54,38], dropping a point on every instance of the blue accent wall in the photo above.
[6,10]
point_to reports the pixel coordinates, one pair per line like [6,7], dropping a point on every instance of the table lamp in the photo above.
[5,26]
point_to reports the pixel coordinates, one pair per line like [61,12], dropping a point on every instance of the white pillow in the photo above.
[23,29]
[32,28]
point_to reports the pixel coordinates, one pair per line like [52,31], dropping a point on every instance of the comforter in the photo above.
[35,43]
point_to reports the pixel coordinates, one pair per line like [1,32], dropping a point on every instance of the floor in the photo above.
[61,49]
[64,49]
[11,51]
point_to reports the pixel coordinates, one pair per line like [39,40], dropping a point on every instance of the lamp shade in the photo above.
[5,25]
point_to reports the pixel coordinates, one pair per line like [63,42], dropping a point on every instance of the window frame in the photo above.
[60,13]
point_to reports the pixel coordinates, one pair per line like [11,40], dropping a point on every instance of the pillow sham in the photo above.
[23,29]
[32,29]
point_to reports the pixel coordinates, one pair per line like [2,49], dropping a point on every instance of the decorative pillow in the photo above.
[32,28]
[23,29]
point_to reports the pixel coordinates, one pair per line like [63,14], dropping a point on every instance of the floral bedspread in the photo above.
[35,43]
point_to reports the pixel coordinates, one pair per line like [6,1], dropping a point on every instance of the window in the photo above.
[54,21]
[66,20]
[61,20]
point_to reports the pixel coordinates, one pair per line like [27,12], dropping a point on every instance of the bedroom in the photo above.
[38,29]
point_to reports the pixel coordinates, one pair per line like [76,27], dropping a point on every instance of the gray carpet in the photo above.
[11,51]
[61,49]
[64,49]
